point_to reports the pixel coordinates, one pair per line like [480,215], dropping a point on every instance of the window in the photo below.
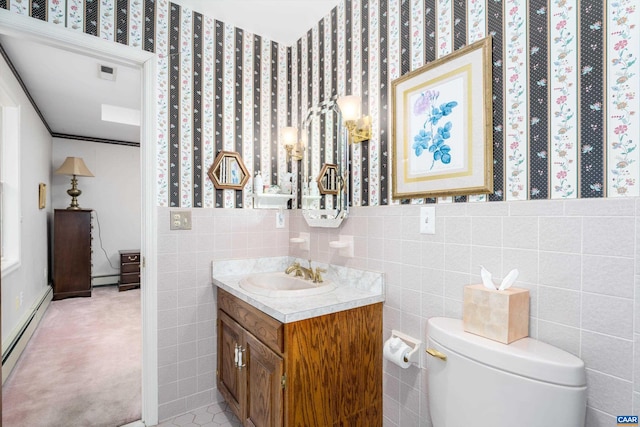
[9,182]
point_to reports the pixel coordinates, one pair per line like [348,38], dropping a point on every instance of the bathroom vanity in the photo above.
[305,361]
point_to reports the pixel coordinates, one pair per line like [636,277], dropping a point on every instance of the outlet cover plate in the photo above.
[180,220]
[428,220]
[279,218]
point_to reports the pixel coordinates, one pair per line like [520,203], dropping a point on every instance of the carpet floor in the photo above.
[82,366]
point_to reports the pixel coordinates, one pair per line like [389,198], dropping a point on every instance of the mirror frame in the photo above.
[219,163]
[314,212]
[326,184]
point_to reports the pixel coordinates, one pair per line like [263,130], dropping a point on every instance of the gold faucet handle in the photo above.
[318,275]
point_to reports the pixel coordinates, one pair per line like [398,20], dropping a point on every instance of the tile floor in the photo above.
[214,415]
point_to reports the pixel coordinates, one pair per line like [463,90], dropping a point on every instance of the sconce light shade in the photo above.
[288,135]
[350,107]
[359,127]
[289,140]
[74,166]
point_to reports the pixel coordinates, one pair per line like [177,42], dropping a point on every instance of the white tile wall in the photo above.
[608,275]
[560,270]
[186,303]
[576,257]
[619,362]
[607,315]
[570,228]
[561,336]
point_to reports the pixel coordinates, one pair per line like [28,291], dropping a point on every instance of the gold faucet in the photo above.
[294,268]
[307,273]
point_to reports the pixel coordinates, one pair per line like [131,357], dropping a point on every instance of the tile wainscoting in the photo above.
[577,258]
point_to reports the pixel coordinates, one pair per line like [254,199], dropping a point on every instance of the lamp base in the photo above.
[74,192]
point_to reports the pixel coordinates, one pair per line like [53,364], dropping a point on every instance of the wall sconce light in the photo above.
[74,166]
[359,127]
[290,142]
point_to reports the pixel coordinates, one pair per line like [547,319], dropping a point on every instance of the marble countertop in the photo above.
[355,288]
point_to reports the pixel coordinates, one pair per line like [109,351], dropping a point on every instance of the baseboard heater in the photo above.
[105,279]
[11,355]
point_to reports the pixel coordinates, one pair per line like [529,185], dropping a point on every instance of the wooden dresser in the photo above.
[71,253]
[129,270]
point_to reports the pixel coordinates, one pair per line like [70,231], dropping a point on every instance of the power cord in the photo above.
[100,239]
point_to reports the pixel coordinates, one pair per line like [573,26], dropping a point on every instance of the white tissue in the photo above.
[397,351]
[506,283]
[509,279]
[486,278]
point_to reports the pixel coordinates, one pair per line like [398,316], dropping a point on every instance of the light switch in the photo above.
[428,220]
[180,220]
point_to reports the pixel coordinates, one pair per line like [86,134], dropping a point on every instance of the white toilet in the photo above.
[485,383]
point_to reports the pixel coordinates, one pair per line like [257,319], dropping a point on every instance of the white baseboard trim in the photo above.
[24,333]
[105,280]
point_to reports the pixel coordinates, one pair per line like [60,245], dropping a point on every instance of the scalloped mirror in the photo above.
[325,180]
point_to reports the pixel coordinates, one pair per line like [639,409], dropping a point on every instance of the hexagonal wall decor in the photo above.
[228,171]
[328,179]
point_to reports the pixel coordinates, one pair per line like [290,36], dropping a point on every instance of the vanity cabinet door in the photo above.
[265,395]
[231,378]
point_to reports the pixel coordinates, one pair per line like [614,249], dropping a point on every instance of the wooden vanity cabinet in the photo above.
[323,371]
[252,381]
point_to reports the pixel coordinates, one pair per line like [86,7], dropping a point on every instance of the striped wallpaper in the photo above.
[565,79]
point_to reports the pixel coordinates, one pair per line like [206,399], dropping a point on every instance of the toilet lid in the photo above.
[526,357]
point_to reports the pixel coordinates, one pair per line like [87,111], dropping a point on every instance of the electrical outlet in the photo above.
[428,220]
[279,218]
[180,220]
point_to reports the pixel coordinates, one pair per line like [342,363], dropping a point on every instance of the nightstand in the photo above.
[129,270]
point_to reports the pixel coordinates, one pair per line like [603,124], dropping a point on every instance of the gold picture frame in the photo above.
[442,126]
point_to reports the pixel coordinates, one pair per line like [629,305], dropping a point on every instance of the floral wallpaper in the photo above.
[565,79]
[623,102]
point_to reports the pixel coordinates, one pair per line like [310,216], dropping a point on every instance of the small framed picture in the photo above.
[42,195]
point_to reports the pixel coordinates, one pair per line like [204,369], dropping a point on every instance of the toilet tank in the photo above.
[486,383]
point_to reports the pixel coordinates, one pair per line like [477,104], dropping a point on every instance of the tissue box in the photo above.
[498,315]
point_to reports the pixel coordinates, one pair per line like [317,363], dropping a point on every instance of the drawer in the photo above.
[130,268]
[129,257]
[264,327]
[130,278]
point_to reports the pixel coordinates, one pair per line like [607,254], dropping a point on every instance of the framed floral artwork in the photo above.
[442,118]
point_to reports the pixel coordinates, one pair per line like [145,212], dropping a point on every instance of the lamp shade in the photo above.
[288,135]
[350,107]
[73,166]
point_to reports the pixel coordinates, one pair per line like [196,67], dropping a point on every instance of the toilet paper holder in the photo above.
[414,355]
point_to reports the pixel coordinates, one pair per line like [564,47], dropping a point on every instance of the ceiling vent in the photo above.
[107,73]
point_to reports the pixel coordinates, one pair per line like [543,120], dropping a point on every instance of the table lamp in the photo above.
[74,166]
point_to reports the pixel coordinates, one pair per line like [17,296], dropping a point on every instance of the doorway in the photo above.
[25,27]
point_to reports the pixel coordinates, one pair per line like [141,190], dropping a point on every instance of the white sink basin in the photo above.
[282,285]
